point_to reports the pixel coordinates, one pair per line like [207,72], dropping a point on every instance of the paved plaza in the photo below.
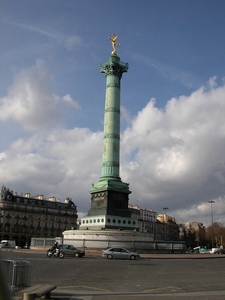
[154,276]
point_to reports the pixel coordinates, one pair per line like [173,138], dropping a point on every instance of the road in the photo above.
[154,276]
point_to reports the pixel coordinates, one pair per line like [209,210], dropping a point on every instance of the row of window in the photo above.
[29,217]
[33,230]
[25,219]
[51,204]
[109,221]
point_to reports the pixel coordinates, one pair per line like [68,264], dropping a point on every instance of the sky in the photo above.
[52,98]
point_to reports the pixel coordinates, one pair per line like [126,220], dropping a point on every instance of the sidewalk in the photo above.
[183,256]
[61,294]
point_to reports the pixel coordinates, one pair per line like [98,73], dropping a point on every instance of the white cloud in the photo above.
[212,82]
[30,100]
[67,98]
[57,163]
[2,156]
[177,154]
[202,212]
[172,157]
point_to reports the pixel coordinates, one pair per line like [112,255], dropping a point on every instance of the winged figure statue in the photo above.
[113,39]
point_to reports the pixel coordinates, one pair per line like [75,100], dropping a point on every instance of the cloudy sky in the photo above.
[172,100]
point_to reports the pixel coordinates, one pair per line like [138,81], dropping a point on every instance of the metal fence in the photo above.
[17,274]
[45,242]
[154,246]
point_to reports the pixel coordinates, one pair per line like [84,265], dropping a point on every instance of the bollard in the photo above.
[28,296]
[4,290]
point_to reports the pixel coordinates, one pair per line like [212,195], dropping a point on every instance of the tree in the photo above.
[217,231]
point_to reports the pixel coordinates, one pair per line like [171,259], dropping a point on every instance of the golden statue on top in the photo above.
[113,39]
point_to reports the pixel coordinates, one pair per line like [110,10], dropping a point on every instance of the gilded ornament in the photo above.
[113,39]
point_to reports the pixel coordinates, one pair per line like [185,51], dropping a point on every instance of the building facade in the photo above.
[146,218]
[25,216]
[193,233]
[170,227]
[161,226]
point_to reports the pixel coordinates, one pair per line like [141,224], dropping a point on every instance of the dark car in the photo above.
[219,251]
[26,246]
[71,250]
[120,253]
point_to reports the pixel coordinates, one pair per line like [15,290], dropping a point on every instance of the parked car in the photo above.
[213,250]
[26,246]
[71,250]
[220,251]
[7,244]
[120,253]
[201,249]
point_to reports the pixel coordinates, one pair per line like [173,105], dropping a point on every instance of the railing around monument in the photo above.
[152,246]
[44,242]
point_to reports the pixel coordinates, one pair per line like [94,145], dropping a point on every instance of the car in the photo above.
[71,250]
[220,251]
[120,253]
[213,250]
[200,249]
[26,246]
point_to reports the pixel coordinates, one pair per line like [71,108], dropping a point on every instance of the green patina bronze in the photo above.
[109,196]
[110,178]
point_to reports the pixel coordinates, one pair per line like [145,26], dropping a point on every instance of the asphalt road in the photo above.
[94,274]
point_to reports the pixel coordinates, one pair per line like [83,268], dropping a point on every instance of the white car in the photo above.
[213,250]
[120,253]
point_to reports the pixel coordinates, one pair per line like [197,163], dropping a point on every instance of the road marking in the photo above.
[84,287]
[174,288]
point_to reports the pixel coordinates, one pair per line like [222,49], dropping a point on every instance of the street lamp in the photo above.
[165,208]
[211,202]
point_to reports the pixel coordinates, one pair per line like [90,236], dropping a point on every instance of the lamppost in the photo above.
[211,202]
[165,208]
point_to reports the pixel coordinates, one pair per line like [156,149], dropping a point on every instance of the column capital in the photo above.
[114,67]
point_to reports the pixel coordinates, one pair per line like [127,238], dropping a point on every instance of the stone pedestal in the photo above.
[102,222]
[101,239]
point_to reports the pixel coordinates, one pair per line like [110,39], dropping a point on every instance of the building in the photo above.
[161,226]
[23,217]
[170,229]
[146,218]
[194,234]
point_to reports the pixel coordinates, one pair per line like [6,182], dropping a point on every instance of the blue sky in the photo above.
[172,100]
